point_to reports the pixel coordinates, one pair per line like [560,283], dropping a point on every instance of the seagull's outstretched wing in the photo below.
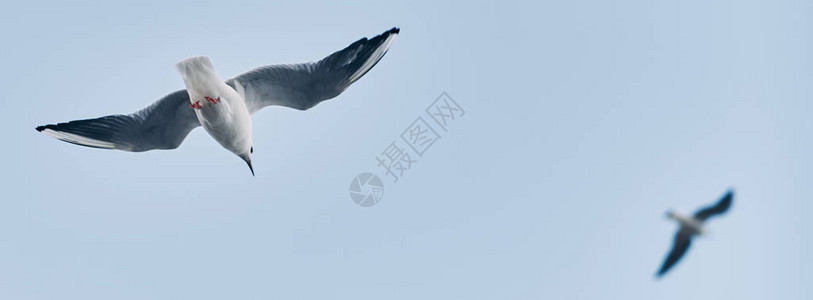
[162,125]
[718,208]
[682,241]
[301,86]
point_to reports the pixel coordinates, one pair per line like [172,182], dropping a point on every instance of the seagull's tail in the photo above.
[199,75]
[195,65]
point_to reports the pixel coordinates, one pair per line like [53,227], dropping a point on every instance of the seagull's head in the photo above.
[246,156]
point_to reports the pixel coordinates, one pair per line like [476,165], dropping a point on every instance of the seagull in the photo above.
[224,108]
[691,226]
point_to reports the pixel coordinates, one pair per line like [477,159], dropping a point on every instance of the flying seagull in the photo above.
[224,108]
[691,226]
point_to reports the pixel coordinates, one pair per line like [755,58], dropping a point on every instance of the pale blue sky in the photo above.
[585,122]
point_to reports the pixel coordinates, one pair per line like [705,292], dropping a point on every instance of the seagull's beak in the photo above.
[248,161]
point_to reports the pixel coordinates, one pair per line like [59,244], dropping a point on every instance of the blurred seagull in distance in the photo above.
[691,226]
[224,108]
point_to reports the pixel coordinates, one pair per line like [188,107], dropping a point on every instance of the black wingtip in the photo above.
[661,272]
[40,128]
[729,195]
[394,30]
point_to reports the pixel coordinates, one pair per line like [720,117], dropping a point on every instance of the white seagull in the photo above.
[691,226]
[224,108]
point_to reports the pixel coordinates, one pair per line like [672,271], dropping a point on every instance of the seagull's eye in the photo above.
[252,150]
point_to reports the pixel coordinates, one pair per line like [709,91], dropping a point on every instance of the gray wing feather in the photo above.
[683,239]
[162,125]
[302,86]
[718,208]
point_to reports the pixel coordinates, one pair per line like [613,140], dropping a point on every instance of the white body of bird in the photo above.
[227,120]
[690,223]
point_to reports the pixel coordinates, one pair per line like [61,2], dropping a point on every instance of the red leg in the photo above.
[212,100]
[196,105]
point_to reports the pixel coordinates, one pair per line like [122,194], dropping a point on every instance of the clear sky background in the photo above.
[585,121]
